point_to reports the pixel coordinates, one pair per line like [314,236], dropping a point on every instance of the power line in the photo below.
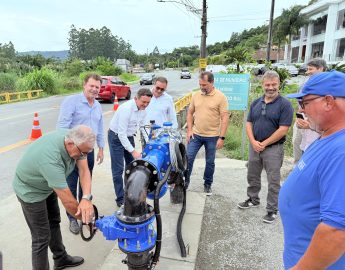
[237,20]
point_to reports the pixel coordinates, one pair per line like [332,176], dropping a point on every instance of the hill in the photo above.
[63,55]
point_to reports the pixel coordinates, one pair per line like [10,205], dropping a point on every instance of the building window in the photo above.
[317,50]
[320,25]
[340,49]
[341,19]
[294,54]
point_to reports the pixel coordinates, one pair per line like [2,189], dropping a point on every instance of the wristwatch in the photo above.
[222,138]
[87,197]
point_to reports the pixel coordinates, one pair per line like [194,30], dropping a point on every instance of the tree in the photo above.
[238,55]
[290,23]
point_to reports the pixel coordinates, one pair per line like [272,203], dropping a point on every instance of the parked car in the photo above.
[185,74]
[293,71]
[112,86]
[216,68]
[147,78]
[302,69]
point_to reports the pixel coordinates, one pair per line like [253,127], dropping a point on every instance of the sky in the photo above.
[43,25]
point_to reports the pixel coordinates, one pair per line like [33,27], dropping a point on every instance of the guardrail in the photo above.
[181,106]
[16,96]
[183,102]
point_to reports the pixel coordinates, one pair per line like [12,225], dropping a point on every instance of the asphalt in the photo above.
[218,235]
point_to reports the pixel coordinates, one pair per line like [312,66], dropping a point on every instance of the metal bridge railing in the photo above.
[8,97]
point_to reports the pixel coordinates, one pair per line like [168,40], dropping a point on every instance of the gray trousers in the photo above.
[271,159]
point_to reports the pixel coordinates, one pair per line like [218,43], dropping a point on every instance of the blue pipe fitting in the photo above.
[131,238]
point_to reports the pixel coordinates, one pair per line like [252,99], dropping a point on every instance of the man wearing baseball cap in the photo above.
[312,199]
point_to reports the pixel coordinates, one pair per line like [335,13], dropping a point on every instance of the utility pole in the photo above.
[203,31]
[270,27]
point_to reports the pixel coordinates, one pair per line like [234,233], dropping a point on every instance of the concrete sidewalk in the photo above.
[219,235]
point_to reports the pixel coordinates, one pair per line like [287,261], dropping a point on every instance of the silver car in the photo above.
[185,74]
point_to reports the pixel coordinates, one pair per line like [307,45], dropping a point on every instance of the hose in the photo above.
[159,219]
[179,226]
[91,225]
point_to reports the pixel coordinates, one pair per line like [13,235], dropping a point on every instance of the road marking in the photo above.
[13,146]
[27,141]
[25,114]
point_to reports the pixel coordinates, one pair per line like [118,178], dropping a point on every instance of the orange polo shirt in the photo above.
[207,111]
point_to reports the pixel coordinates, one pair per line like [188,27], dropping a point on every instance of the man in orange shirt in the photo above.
[207,123]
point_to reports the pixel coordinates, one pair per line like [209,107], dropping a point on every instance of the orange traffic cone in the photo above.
[36,129]
[116,104]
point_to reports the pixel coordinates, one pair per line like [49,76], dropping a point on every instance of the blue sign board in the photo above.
[235,87]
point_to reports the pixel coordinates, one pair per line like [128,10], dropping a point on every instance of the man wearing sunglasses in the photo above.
[40,179]
[312,201]
[83,109]
[161,107]
[268,122]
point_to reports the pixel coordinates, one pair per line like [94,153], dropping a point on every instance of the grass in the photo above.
[129,78]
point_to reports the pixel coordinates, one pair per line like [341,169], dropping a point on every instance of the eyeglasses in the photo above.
[263,109]
[160,89]
[82,154]
[303,102]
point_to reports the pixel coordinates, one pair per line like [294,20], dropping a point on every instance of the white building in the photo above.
[324,36]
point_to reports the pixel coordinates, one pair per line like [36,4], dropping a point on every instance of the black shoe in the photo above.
[74,226]
[247,204]
[119,204]
[208,190]
[68,261]
[270,217]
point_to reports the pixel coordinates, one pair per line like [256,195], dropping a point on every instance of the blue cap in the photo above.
[322,84]
[167,124]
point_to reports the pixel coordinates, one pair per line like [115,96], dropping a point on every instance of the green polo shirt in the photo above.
[44,167]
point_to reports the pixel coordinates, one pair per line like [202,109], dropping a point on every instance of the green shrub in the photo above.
[74,67]
[71,83]
[8,82]
[108,69]
[45,79]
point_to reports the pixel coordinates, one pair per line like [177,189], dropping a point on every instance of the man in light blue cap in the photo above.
[312,199]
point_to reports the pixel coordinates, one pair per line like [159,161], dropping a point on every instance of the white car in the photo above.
[185,74]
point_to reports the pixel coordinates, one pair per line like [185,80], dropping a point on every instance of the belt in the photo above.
[118,134]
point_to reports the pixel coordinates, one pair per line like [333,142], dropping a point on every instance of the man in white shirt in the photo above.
[123,127]
[161,107]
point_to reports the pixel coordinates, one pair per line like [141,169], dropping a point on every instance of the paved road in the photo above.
[16,122]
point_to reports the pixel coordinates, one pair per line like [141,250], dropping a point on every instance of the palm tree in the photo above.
[290,24]
[237,55]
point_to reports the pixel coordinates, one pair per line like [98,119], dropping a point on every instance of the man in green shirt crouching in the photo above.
[40,178]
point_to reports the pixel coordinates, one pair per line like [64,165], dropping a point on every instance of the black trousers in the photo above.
[43,219]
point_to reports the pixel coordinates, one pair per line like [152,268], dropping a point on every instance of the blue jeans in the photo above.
[72,179]
[193,148]
[117,154]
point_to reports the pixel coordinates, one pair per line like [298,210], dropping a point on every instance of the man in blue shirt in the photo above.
[268,122]
[161,107]
[83,109]
[123,127]
[312,199]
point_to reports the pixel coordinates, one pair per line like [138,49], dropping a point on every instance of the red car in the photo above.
[112,86]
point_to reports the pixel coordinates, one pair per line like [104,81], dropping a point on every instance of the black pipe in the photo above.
[136,191]
[158,218]
[179,226]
